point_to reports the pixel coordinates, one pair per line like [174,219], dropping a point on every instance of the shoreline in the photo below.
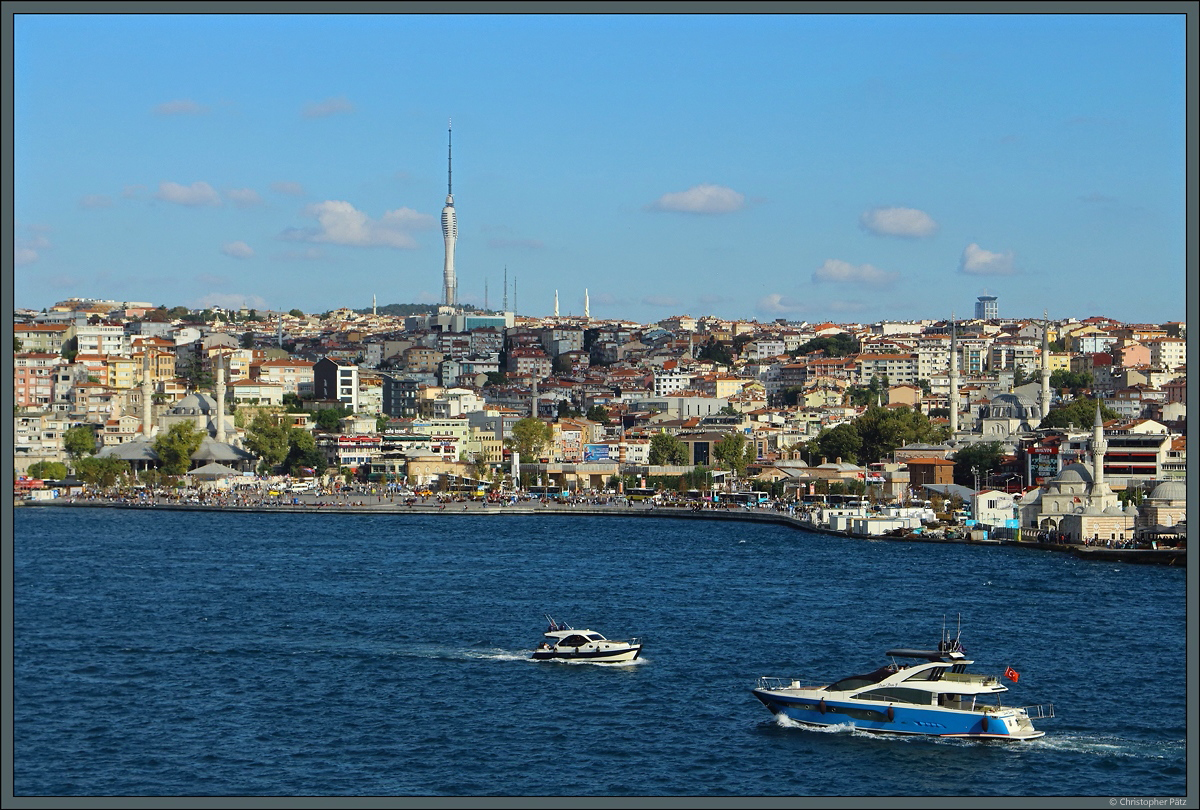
[322,505]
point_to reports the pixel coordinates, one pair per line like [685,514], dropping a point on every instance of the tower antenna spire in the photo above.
[450,157]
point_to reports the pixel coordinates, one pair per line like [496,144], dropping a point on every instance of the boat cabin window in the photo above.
[930,674]
[573,640]
[859,681]
[898,694]
[595,637]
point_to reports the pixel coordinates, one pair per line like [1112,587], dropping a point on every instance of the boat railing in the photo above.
[1039,712]
[767,682]
[635,641]
[967,677]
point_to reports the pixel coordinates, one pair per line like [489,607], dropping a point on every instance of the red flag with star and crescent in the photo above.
[1012,674]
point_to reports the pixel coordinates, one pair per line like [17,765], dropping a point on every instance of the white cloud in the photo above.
[340,223]
[702,199]
[131,192]
[198,193]
[776,304]
[27,248]
[96,201]
[292,189]
[243,197]
[660,301]
[836,270]
[979,262]
[330,106]
[183,106]
[237,250]
[909,223]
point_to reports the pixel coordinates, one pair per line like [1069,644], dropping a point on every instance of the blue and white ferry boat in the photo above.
[933,696]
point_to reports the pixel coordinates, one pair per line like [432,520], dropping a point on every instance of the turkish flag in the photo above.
[1012,675]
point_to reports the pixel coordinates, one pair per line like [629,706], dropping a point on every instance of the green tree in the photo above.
[303,453]
[1080,414]
[381,423]
[175,447]
[882,430]
[981,457]
[668,450]
[296,313]
[102,472]
[1074,381]
[839,345]
[329,418]
[735,451]
[49,470]
[715,351]
[17,344]
[268,440]
[80,441]
[293,403]
[841,441]
[598,413]
[1020,376]
[566,411]
[530,437]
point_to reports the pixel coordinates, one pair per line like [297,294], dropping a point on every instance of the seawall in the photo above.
[373,505]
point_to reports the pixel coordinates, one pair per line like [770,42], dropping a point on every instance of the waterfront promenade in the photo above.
[382,504]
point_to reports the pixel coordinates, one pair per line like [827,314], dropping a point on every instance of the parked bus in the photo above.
[747,497]
[551,491]
[640,493]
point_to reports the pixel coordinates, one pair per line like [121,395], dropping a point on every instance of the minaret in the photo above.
[1045,366]
[587,310]
[556,303]
[1099,445]
[220,398]
[373,309]
[953,379]
[449,227]
[147,392]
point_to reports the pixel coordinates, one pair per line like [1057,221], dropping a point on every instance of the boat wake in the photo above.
[1108,746]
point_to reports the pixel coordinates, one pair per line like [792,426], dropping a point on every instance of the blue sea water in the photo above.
[232,654]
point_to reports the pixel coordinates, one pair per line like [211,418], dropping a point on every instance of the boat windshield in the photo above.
[859,681]
[595,637]
[573,640]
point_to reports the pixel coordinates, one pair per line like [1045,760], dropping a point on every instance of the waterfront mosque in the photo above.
[221,443]
[1077,504]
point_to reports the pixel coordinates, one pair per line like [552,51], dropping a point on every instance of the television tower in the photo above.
[449,224]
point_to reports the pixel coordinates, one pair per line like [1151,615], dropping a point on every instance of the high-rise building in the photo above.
[985,307]
[449,226]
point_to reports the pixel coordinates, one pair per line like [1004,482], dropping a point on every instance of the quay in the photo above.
[361,504]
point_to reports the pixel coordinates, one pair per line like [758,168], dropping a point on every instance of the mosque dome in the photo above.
[1012,406]
[1073,474]
[1169,491]
[1115,510]
[194,403]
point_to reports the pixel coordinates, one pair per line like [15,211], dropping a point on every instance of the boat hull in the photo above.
[813,710]
[624,654]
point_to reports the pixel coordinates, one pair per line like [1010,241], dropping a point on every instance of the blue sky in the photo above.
[810,167]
